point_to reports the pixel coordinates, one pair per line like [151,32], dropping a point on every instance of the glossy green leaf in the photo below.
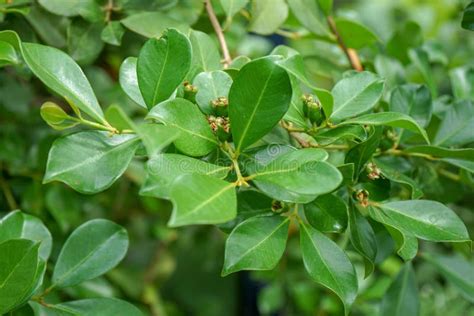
[328,265]
[202,199]
[354,34]
[152,24]
[256,244]
[468,17]
[401,298]
[129,82]
[211,85]
[91,250]
[60,73]
[90,307]
[84,41]
[361,153]
[206,56]
[267,16]
[8,54]
[311,15]
[457,270]
[259,97]
[413,100]
[196,138]
[356,94]
[457,125]
[112,33]
[165,168]
[90,162]
[393,119]
[16,225]
[363,239]
[427,220]
[162,65]
[328,213]
[18,268]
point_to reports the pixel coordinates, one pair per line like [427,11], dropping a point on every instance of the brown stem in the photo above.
[219,33]
[8,193]
[351,54]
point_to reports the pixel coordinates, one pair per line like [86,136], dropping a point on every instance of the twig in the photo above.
[8,193]
[219,33]
[350,53]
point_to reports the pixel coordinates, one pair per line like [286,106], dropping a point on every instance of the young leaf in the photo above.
[356,94]
[390,119]
[162,65]
[60,73]
[129,82]
[401,298]
[457,125]
[457,270]
[55,116]
[165,168]
[259,97]
[328,213]
[91,161]
[328,265]
[427,220]
[363,239]
[267,16]
[89,307]
[196,138]
[17,225]
[91,250]
[202,199]
[256,244]
[211,85]
[18,269]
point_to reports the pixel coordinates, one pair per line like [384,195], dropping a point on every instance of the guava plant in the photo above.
[253,146]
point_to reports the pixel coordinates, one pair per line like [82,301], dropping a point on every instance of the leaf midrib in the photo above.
[364,90]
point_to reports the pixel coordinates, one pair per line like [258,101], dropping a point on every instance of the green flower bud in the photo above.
[312,109]
[220,126]
[220,106]
[190,91]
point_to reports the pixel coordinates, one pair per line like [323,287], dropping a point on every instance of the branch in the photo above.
[219,33]
[351,54]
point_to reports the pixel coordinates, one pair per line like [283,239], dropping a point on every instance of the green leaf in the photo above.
[211,85]
[91,250]
[440,152]
[61,74]
[70,7]
[8,54]
[457,125]
[46,26]
[298,176]
[202,199]
[256,244]
[468,17]
[206,56]
[354,34]
[156,137]
[401,298]
[12,38]
[84,41]
[165,168]
[409,35]
[462,81]
[267,16]
[328,265]
[16,225]
[363,239]
[18,269]
[393,119]
[427,220]
[55,116]
[129,82]
[455,269]
[413,100]
[356,94]
[396,176]
[232,7]
[341,132]
[361,153]
[112,33]
[90,162]
[89,307]
[420,60]
[328,213]
[196,137]
[162,65]
[152,24]
[259,97]
[310,14]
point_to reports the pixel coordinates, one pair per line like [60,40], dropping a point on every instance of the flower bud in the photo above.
[220,126]
[220,106]
[362,196]
[312,109]
[373,172]
[190,91]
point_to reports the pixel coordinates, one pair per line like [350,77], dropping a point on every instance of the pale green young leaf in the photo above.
[91,250]
[256,244]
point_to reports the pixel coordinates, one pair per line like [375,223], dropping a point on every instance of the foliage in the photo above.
[339,164]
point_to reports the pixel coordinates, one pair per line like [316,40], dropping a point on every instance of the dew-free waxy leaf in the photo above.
[91,250]
[162,65]
[363,239]
[91,161]
[256,244]
[311,15]
[328,213]
[211,86]
[457,125]
[267,16]
[401,298]
[129,82]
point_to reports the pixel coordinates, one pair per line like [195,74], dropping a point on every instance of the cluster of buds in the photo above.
[312,109]
[373,172]
[190,91]
[220,106]
[362,196]
[220,126]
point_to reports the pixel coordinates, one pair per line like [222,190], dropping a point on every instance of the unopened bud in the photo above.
[312,109]
[373,172]
[190,91]
[220,106]
[220,126]
[362,196]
